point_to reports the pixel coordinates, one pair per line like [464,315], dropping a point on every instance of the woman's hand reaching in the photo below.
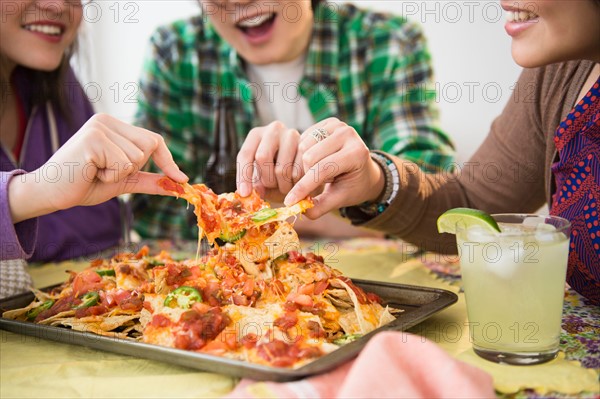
[102,160]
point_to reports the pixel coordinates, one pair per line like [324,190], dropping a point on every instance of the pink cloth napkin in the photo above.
[392,365]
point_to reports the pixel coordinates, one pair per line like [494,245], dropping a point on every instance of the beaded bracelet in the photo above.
[392,185]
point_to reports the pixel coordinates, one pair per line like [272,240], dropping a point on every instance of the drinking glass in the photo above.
[514,285]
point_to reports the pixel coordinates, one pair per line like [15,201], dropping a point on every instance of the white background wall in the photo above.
[471,52]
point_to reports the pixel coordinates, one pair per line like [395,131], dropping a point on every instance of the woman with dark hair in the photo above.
[55,153]
[292,61]
[544,149]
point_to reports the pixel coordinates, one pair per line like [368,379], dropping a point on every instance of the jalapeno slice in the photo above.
[89,299]
[33,313]
[184,297]
[263,214]
[105,272]
[228,237]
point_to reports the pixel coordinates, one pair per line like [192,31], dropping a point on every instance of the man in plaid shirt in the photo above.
[369,69]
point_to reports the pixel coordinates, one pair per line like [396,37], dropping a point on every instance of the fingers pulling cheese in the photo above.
[259,233]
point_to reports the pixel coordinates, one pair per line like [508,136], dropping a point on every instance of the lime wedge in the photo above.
[468,217]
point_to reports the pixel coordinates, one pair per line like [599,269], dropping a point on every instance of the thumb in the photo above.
[331,198]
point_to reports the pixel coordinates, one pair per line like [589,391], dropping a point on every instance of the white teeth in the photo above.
[45,29]
[519,16]
[254,21]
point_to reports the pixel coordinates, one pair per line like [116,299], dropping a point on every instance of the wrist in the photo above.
[24,201]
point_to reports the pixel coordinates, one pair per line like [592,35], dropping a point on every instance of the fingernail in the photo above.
[290,200]
[182,176]
[244,190]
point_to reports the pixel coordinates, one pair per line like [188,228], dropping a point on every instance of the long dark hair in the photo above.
[46,86]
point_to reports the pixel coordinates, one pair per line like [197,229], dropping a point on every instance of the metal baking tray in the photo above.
[418,304]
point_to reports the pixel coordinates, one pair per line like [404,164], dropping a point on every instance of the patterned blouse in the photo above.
[577,175]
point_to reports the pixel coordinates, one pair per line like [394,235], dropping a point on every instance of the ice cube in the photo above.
[533,221]
[477,234]
[547,233]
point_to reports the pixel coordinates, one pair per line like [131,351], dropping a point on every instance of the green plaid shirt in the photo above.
[371,70]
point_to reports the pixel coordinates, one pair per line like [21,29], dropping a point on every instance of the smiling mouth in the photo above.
[520,16]
[257,25]
[50,30]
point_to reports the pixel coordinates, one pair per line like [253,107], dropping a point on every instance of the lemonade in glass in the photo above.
[514,282]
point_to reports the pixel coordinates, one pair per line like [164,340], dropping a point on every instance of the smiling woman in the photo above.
[63,155]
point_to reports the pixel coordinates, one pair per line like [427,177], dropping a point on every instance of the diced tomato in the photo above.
[314,258]
[201,328]
[248,288]
[296,257]
[301,299]
[321,286]
[182,341]
[249,340]
[134,303]
[159,320]
[290,307]
[307,289]
[286,321]
[240,300]
[86,281]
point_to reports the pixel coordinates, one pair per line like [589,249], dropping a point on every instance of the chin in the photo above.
[257,58]
[527,59]
[44,65]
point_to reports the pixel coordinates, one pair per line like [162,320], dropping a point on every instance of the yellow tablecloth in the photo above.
[31,367]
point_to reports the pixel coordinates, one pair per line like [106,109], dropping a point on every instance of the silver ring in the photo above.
[319,134]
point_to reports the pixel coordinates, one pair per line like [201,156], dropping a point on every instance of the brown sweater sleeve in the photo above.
[506,174]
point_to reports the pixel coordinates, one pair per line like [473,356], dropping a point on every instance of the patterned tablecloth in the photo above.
[30,367]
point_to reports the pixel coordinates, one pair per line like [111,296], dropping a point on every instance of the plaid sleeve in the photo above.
[160,109]
[403,101]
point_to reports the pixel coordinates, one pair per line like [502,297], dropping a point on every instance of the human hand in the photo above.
[267,161]
[338,165]
[102,160]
